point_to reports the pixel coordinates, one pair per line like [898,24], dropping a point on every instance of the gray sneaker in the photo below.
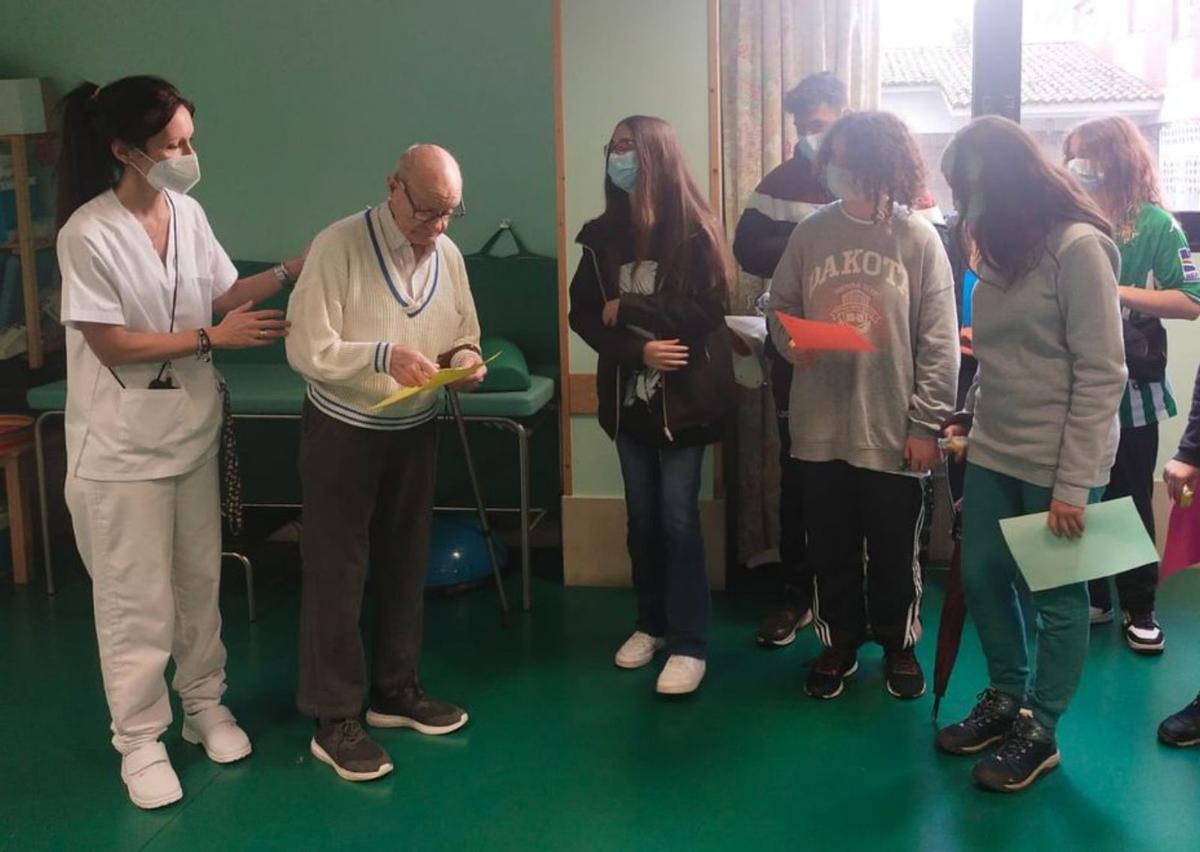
[344,745]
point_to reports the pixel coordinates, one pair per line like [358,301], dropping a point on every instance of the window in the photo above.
[1183,19]
[925,75]
[1081,61]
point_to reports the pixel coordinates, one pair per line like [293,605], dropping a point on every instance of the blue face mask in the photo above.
[840,182]
[623,170]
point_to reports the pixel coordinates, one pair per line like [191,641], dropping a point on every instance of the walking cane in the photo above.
[456,410]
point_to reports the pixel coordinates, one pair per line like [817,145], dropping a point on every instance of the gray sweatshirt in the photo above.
[1051,367]
[891,281]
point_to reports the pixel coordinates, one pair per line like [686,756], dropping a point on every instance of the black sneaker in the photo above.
[412,708]
[345,746]
[1143,633]
[1182,729]
[828,676]
[1028,752]
[780,626]
[903,674]
[987,723]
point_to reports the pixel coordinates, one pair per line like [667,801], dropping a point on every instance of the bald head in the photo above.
[427,182]
[429,167]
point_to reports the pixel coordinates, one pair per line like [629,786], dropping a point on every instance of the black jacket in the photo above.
[689,407]
[1189,444]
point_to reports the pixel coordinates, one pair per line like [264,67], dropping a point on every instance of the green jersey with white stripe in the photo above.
[1155,257]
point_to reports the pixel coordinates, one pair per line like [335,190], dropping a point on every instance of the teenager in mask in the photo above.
[142,275]
[650,297]
[864,425]
[1047,336]
[1111,161]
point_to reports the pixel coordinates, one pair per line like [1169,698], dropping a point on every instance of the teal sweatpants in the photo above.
[994,587]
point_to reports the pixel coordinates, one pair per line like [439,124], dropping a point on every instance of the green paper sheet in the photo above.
[1113,541]
[441,377]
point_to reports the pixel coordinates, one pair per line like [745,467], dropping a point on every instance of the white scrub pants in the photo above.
[153,550]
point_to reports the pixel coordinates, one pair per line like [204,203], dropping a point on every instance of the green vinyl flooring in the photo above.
[564,751]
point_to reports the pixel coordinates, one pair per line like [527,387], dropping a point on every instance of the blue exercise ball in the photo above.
[458,554]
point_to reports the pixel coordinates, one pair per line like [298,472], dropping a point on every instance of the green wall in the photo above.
[623,57]
[303,106]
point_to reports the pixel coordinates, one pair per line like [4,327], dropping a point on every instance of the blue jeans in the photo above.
[662,495]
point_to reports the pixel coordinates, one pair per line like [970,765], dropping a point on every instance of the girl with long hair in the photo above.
[1047,336]
[650,296]
[1158,280]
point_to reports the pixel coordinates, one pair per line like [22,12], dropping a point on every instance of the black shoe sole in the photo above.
[1045,766]
[343,773]
[1146,650]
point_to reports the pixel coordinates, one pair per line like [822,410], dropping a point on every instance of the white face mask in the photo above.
[841,183]
[178,174]
[1086,172]
[810,145]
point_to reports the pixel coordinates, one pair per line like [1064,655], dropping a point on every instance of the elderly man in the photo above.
[383,300]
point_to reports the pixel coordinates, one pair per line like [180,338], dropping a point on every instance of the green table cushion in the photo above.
[51,397]
[275,389]
[508,372]
[516,404]
[263,388]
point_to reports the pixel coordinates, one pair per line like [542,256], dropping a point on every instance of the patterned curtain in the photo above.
[768,46]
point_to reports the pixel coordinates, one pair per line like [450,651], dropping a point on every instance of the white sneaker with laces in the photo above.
[638,650]
[681,675]
[149,777]
[216,729]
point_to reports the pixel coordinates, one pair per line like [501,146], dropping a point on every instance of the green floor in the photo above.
[564,751]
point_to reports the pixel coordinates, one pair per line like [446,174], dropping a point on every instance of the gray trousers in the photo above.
[368,501]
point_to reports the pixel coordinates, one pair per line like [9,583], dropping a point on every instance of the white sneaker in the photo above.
[149,777]
[681,675]
[1096,615]
[217,730]
[638,650]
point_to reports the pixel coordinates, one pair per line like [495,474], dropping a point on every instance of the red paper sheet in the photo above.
[1183,541]
[813,336]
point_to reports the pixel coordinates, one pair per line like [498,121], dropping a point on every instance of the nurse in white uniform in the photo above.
[142,277]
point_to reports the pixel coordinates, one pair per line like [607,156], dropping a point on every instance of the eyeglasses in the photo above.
[428,217]
[621,146]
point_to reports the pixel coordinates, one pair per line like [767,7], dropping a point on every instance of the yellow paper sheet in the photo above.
[447,376]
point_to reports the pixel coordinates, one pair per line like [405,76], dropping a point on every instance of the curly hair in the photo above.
[878,149]
[1124,159]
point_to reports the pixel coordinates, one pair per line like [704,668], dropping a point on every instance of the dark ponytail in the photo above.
[131,109]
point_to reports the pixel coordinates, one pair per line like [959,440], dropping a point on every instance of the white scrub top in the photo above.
[111,274]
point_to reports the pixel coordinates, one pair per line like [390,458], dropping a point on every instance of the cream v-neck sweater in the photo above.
[349,311]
